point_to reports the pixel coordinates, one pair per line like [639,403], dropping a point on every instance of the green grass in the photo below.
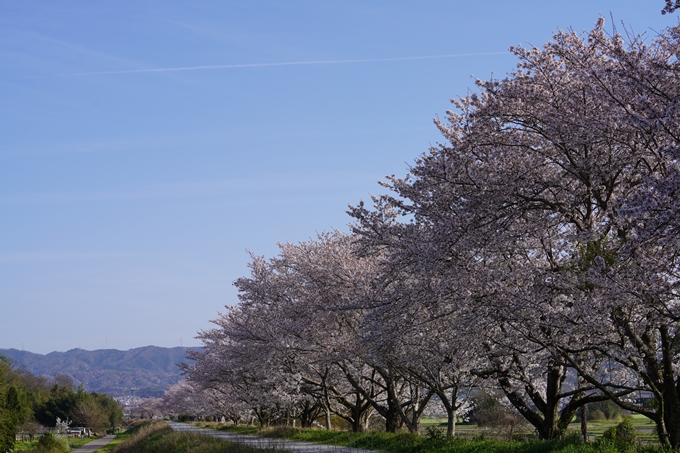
[470,439]
[644,427]
[410,443]
[76,442]
[21,446]
[120,438]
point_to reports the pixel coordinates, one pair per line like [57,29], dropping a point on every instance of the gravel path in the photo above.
[94,445]
[266,443]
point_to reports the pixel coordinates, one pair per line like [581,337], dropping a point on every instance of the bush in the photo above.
[608,409]
[622,435]
[50,443]
[184,418]
[435,433]
[596,415]
[488,411]
[625,434]
[610,433]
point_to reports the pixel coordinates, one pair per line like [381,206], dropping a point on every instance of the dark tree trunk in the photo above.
[309,413]
[392,420]
[359,414]
[584,422]
[549,421]
[411,417]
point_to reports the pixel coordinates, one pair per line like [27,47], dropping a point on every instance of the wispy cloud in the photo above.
[226,136]
[287,63]
[235,189]
[31,257]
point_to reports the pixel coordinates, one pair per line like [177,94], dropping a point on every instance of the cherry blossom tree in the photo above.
[315,348]
[524,201]
[147,408]
[543,236]
[302,288]
[290,319]
[413,331]
[240,369]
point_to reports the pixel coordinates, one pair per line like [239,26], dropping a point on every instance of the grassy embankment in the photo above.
[157,437]
[471,439]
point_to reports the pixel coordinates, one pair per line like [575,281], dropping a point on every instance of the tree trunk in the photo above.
[418,404]
[584,422]
[326,399]
[358,410]
[392,413]
[544,418]
[358,416]
[366,418]
[451,408]
[392,420]
[364,401]
[671,413]
[451,423]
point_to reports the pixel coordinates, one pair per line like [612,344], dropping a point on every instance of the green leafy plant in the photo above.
[622,435]
[434,433]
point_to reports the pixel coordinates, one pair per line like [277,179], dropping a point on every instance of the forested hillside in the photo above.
[149,370]
[30,404]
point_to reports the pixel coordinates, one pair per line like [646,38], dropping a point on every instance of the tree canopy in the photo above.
[534,252]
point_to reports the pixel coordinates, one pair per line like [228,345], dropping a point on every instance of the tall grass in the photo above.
[139,434]
[157,437]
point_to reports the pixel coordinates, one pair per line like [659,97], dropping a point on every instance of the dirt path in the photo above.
[293,446]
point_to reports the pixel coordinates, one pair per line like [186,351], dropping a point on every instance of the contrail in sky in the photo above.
[289,63]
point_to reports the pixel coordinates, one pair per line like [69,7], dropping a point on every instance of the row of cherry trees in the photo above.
[536,251]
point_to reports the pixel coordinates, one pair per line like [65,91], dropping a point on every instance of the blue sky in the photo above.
[144,146]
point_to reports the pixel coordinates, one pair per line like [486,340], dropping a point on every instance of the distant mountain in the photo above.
[149,370]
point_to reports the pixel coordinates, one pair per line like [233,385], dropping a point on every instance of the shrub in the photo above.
[609,410]
[625,434]
[50,443]
[183,418]
[596,415]
[435,433]
[488,411]
[622,435]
